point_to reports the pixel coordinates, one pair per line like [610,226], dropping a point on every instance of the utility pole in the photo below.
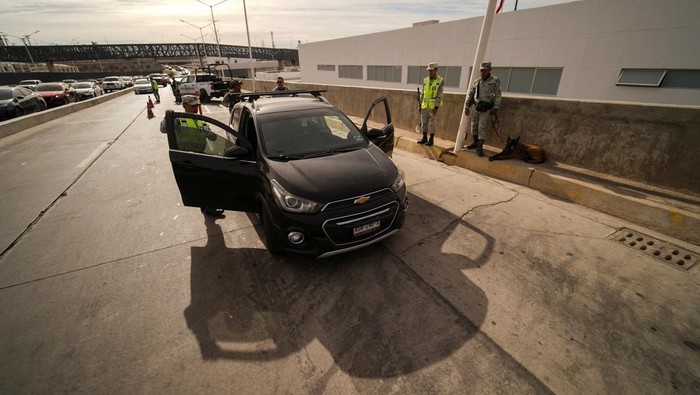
[250,49]
[202,37]
[478,58]
[211,8]
[272,36]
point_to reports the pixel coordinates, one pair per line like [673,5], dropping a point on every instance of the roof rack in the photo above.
[251,97]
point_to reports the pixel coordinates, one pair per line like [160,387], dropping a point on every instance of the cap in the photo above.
[190,100]
[432,66]
[236,82]
[485,66]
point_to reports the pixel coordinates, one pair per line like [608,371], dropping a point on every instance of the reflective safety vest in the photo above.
[191,134]
[432,93]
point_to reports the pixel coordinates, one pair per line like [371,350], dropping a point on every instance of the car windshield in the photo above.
[296,134]
[141,82]
[80,85]
[111,79]
[5,94]
[49,88]
[27,82]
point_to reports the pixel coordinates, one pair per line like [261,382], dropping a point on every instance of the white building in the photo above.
[619,50]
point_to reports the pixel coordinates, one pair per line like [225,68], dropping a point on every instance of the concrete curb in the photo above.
[12,126]
[673,221]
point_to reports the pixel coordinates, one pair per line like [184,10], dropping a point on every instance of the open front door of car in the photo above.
[210,169]
[382,137]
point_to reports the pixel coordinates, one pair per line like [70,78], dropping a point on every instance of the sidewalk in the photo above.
[665,211]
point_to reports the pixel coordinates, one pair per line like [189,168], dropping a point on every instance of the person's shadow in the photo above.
[371,312]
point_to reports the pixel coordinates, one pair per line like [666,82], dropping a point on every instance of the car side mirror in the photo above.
[235,152]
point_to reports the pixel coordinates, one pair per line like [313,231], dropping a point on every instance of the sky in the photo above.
[287,22]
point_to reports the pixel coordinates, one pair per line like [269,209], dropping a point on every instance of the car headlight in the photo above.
[398,182]
[290,202]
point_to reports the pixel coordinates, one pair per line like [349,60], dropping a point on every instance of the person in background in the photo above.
[154,84]
[484,99]
[280,85]
[175,86]
[431,100]
[234,95]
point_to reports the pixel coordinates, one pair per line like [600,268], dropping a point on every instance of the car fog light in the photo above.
[295,237]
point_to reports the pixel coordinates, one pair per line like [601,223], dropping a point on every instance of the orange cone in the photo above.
[149,104]
[199,106]
[150,112]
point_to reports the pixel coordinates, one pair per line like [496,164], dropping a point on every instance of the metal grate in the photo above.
[662,250]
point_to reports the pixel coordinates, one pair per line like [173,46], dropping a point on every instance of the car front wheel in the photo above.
[271,241]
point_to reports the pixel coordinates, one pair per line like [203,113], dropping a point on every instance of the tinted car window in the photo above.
[297,133]
[5,94]
[49,88]
[80,85]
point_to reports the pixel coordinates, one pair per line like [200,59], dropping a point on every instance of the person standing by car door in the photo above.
[431,100]
[154,84]
[484,99]
[191,137]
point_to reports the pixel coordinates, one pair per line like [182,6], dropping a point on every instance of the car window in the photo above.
[49,88]
[81,85]
[24,91]
[300,133]
[5,94]
[198,136]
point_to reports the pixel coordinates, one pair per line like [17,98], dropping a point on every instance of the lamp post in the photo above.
[211,8]
[201,63]
[200,35]
[24,39]
[250,50]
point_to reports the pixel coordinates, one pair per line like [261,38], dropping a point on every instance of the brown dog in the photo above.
[515,150]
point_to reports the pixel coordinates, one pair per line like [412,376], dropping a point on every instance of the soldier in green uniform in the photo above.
[484,99]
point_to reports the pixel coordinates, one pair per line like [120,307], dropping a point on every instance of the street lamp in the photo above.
[250,50]
[201,35]
[211,8]
[24,39]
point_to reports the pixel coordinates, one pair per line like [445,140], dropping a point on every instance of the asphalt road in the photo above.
[109,285]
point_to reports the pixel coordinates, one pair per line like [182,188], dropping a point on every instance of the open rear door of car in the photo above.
[206,175]
[383,136]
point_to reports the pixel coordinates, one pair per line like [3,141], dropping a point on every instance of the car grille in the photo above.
[362,226]
[377,197]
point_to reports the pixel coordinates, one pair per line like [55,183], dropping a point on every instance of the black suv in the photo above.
[320,185]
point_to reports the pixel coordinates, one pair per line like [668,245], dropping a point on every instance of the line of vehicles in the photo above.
[30,96]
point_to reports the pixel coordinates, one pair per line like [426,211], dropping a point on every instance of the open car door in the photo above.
[382,137]
[210,169]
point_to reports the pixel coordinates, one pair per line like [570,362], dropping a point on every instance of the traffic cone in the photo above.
[149,104]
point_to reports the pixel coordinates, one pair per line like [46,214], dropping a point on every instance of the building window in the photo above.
[546,81]
[350,71]
[682,79]
[641,77]
[660,78]
[537,80]
[384,73]
[326,67]
[451,74]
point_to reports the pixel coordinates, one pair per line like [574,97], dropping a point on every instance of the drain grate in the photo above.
[662,250]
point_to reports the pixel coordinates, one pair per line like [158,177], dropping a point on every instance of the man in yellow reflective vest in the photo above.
[431,100]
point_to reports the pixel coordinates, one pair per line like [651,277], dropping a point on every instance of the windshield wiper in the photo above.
[328,152]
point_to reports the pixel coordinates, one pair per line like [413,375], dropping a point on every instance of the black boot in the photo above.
[480,148]
[475,143]
[430,142]
[424,139]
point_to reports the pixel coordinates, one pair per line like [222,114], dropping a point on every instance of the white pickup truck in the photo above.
[208,86]
[112,84]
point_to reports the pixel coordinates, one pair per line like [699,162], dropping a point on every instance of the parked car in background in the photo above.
[112,84]
[128,82]
[16,101]
[30,84]
[87,90]
[143,85]
[163,79]
[69,82]
[56,93]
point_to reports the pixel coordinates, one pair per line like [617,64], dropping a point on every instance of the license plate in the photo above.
[366,228]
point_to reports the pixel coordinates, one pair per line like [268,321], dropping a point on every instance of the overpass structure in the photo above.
[54,53]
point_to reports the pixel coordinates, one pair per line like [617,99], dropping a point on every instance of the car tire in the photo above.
[65,100]
[42,105]
[203,96]
[271,242]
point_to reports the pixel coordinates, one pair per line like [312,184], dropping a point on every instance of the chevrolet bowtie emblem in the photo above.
[361,200]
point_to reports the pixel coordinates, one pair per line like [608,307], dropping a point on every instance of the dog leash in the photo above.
[496,124]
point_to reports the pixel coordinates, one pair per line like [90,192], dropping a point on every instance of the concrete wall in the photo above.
[651,144]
